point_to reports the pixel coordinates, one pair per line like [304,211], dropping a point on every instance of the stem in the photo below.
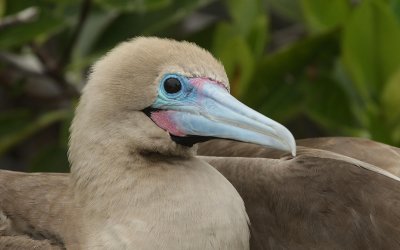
[85,9]
[54,72]
[25,16]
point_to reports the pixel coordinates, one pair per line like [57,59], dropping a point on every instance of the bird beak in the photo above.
[209,110]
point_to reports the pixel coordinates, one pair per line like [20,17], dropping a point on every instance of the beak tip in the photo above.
[292,148]
[294,151]
[290,141]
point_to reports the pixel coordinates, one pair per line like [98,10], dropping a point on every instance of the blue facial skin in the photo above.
[166,100]
[205,108]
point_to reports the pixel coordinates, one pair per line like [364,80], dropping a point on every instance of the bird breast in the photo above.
[182,204]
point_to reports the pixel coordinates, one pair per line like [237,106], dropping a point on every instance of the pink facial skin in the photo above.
[165,121]
[197,82]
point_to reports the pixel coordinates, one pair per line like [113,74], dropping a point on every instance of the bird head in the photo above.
[184,92]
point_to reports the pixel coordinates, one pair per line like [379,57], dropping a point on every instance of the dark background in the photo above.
[322,68]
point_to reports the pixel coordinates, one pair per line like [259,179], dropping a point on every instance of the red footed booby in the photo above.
[136,182]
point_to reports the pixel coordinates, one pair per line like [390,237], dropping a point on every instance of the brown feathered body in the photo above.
[317,200]
[320,199]
[34,208]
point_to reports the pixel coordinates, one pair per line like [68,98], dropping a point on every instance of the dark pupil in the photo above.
[172,85]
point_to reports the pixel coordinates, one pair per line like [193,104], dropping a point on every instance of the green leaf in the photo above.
[370,43]
[134,5]
[396,136]
[244,14]
[238,65]
[96,23]
[202,37]
[357,106]
[2,7]
[390,99]
[288,9]
[249,19]
[38,30]
[328,104]
[13,6]
[149,23]
[258,36]
[395,6]
[53,158]
[291,60]
[27,129]
[324,15]
[378,127]
[274,88]
[282,99]
[65,126]
[13,121]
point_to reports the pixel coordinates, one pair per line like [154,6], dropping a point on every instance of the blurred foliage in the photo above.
[320,67]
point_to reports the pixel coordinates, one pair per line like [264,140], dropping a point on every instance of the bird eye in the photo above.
[172,85]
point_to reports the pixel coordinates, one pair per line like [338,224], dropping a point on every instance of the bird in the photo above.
[135,182]
[149,102]
[338,193]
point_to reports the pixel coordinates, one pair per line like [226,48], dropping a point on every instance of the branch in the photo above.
[85,8]
[67,90]
[9,59]
[52,70]
[25,16]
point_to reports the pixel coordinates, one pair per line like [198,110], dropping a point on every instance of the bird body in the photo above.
[293,203]
[338,193]
[34,208]
[317,200]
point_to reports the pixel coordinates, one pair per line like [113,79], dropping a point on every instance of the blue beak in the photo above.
[205,108]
